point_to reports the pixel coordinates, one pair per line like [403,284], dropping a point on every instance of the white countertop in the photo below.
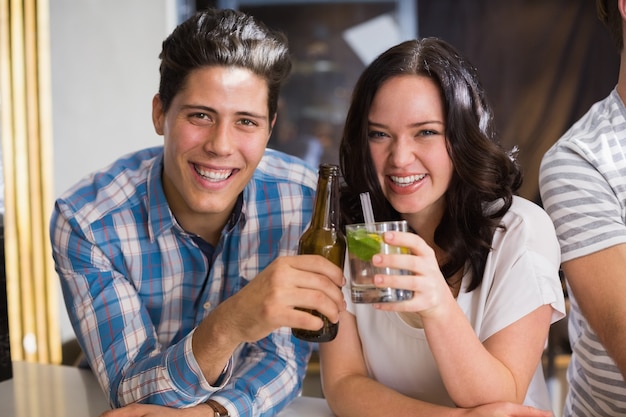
[38,390]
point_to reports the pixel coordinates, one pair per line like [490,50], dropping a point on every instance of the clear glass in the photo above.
[364,241]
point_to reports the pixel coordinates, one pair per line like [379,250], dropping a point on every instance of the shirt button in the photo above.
[207,305]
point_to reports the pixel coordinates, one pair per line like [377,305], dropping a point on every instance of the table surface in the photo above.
[38,390]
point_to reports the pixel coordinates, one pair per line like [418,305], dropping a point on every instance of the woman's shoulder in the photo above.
[526,226]
[530,213]
[522,211]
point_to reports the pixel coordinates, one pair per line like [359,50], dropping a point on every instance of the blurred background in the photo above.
[542,62]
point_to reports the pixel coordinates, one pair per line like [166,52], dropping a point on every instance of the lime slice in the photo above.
[364,245]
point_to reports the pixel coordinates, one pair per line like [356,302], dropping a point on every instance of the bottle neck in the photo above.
[326,211]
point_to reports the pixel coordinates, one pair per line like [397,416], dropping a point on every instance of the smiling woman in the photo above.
[26,139]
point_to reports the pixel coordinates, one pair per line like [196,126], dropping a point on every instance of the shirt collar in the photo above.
[160,217]
[238,213]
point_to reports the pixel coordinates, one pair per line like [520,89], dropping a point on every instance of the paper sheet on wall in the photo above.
[369,39]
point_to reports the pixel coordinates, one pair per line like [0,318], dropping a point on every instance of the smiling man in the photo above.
[177,263]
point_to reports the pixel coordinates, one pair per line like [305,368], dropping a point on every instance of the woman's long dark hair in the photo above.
[483,171]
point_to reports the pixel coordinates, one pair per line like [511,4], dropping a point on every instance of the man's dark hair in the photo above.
[214,37]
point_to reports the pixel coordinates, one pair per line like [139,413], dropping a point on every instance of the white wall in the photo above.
[104,73]
[104,58]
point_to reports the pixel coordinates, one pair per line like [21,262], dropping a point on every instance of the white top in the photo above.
[521,274]
[583,188]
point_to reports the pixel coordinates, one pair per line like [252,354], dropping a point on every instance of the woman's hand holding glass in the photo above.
[431,293]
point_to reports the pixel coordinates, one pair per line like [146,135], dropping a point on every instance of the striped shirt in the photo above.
[136,284]
[583,188]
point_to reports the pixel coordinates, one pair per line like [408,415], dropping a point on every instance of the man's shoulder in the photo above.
[123,182]
[279,167]
[604,121]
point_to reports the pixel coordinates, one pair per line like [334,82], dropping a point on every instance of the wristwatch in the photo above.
[218,409]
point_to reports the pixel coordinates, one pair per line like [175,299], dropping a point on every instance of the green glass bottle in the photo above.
[324,237]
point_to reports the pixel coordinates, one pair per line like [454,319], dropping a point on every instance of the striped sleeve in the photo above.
[582,182]
[583,187]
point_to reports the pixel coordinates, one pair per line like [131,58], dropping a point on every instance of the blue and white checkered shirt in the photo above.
[136,284]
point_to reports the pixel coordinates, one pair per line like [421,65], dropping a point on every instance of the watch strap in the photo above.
[218,409]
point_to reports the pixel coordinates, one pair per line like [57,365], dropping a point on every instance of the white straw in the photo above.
[366,205]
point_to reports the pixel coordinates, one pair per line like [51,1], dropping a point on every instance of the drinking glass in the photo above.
[364,241]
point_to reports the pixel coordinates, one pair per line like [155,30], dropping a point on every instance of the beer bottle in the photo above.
[324,237]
